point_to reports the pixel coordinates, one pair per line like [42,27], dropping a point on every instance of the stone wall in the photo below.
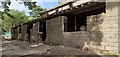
[54,31]
[15,33]
[75,39]
[109,27]
[34,34]
[119,27]
[19,36]
[102,30]
[24,34]
[92,35]
[94,23]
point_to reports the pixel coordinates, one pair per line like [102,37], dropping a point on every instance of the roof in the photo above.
[79,7]
[58,7]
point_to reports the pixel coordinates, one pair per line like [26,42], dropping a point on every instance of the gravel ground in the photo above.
[25,49]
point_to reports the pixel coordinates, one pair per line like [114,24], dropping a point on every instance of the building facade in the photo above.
[99,27]
[75,23]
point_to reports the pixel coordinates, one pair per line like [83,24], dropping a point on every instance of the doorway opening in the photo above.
[42,29]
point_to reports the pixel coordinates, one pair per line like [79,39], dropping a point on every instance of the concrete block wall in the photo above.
[109,27]
[17,33]
[54,31]
[24,33]
[34,36]
[19,36]
[119,27]
[105,33]
[94,29]
[102,31]
[75,39]
[12,32]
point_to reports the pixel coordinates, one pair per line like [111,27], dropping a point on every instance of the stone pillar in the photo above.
[13,33]
[54,31]
[34,36]
[28,31]
[17,33]
[119,27]
[110,27]
[24,32]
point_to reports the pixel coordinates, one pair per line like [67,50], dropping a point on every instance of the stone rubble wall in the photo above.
[54,31]
[102,30]
[24,33]
[75,39]
[119,27]
[15,33]
[34,36]
[109,27]
[19,36]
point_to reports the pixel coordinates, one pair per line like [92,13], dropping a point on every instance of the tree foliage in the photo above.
[17,19]
[37,11]
[27,3]
[11,18]
[7,3]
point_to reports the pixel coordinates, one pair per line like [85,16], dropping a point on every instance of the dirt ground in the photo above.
[21,48]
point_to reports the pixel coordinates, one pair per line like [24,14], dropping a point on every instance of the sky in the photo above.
[43,3]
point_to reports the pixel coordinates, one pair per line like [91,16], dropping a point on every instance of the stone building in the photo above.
[74,23]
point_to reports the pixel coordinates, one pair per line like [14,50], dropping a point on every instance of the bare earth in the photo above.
[21,48]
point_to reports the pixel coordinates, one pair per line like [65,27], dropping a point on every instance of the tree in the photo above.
[36,12]
[27,3]
[17,19]
[6,4]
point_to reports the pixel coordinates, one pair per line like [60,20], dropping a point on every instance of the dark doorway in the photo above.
[42,28]
[29,27]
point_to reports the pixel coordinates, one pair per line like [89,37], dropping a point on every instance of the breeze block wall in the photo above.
[119,27]
[19,36]
[34,36]
[75,39]
[103,28]
[24,34]
[102,31]
[109,27]
[54,31]
[15,33]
